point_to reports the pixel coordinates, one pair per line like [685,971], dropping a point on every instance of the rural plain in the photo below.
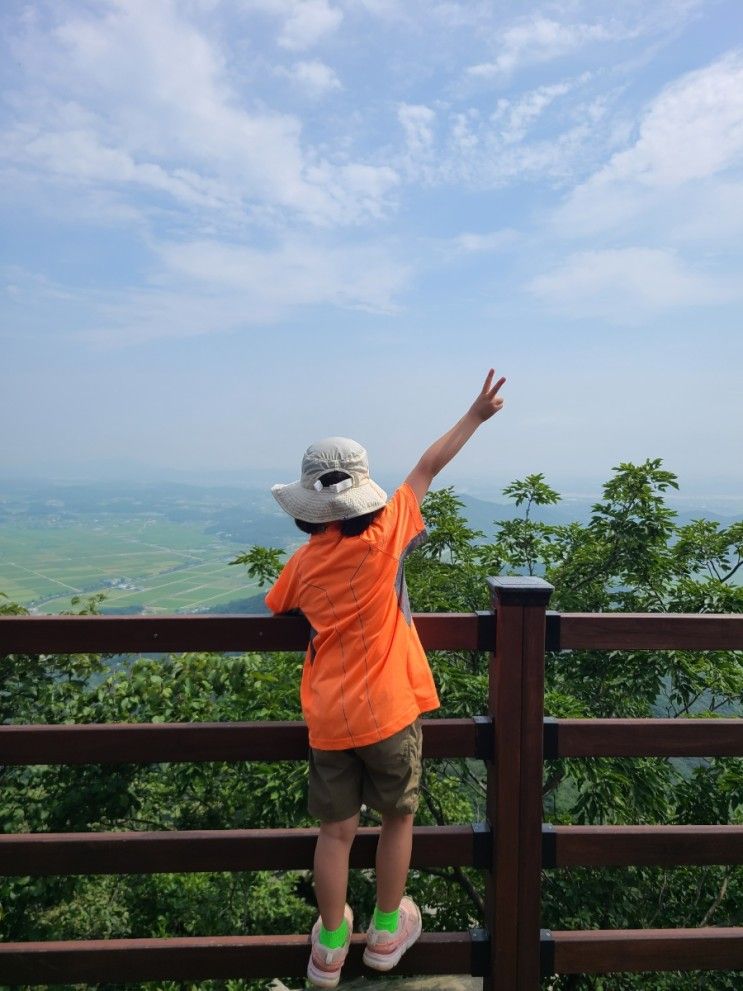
[148,549]
[166,547]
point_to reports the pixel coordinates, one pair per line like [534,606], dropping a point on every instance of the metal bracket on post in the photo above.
[547,953]
[483,737]
[480,945]
[485,629]
[482,843]
[551,736]
[552,638]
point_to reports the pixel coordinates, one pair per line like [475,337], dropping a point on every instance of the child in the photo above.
[366,678]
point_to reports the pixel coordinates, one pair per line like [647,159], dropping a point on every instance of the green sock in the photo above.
[386,920]
[333,939]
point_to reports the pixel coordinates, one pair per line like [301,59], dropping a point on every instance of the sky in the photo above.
[233,227]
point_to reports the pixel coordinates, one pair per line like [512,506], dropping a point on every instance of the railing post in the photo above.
[514,804]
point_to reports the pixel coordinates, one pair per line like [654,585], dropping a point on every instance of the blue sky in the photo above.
[234,226]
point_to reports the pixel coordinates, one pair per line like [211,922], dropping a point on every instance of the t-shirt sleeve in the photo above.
[399,528]
[284,593]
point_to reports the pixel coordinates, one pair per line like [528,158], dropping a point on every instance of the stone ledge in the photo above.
[442,982]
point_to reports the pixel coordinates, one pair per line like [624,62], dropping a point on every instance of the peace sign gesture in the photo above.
[488,402]
[440,453]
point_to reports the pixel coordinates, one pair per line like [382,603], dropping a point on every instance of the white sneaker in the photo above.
[324,967]
[383,948]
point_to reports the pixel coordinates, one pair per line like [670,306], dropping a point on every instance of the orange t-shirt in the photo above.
[365,674]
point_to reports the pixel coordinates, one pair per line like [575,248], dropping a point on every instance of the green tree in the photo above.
[630,556]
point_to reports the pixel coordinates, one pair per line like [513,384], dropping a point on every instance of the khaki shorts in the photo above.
[385,776]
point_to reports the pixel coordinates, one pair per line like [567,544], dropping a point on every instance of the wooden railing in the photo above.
[512,846]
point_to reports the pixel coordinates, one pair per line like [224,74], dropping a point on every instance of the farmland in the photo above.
[160,551]
[164,547]
[158,566]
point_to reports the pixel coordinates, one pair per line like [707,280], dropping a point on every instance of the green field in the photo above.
[152,563]
[158,547]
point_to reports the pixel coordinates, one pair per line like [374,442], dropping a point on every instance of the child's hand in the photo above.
[488,402]
[440,453]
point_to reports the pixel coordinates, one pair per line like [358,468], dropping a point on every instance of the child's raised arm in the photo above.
[441,452]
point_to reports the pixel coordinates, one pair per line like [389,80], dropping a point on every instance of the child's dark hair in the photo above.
[349,528]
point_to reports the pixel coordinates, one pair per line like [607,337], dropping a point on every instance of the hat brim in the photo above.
[328,506]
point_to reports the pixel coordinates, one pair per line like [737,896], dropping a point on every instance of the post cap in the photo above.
[520,590]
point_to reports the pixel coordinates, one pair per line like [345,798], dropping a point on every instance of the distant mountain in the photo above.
[129,472]
[247,514]
[480,513]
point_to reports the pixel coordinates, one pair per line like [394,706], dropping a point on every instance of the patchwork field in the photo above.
[164,547]
[152,564]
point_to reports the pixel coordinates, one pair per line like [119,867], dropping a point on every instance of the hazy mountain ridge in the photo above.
[236,506]
[166,546]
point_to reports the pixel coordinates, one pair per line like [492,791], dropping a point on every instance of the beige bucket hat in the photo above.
[309,500]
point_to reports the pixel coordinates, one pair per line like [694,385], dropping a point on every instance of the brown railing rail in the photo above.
[511,953]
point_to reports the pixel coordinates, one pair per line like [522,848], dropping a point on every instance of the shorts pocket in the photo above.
[412,745]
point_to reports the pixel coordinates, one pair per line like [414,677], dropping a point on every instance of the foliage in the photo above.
[630,556]
[263,563]
[177,688]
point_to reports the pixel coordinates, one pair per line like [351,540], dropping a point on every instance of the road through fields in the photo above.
[182,570]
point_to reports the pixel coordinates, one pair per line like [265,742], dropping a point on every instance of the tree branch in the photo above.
[733,570]
[719,897]
[552,782]
[454,873]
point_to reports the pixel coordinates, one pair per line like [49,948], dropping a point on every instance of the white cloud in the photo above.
[690,134]
[314,78]
[518,115]
[541,39]
[488,150]
[417,123]
[493,241]
[138,95]
[80,155]
[308,23]
[694,129]
[570,28]
[626,284]
[713,214]
[296,272]
[210,287]
[479,153]
[304,22]
[207,287]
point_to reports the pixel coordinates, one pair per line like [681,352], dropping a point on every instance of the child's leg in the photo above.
[393,859]
[331,868]
[397,922]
